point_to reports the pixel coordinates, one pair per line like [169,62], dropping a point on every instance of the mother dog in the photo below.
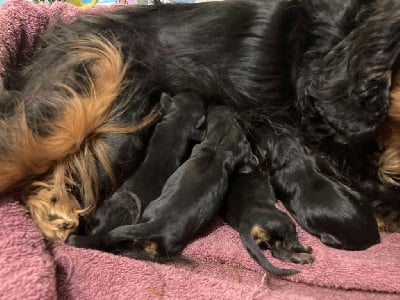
[317,73]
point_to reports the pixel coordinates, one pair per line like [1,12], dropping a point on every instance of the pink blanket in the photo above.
[221,268]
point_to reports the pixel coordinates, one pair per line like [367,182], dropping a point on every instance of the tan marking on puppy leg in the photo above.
[260,235]
[150,247]
[388,221]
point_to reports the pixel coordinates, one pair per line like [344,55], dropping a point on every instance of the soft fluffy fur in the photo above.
[182,126]
[170,145]
[320,70]
[192,195]
[59,129]
[250,208]
[323,207]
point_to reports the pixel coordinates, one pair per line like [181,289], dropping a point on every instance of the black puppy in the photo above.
[250,208]
[169,146]
[194,193]
[296,64]
[323,207]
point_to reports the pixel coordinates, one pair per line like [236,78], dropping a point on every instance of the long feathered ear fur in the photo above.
[66,143]
[349,86]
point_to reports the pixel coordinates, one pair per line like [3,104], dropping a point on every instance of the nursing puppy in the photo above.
[304,67]
[193,194]
[323,207]
[181,126]
[250,208]
[180,129]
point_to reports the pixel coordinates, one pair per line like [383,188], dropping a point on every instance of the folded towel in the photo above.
[221,268]
[27,268]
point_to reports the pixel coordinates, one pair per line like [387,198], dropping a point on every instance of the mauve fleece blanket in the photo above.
[30,268]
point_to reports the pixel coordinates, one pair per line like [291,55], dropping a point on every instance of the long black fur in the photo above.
[182,126]
[317,72]
[336,214]
[194,193]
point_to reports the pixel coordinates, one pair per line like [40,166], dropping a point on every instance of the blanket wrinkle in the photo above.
[221,268]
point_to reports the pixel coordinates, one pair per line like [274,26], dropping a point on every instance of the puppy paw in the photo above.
[278,251]
[296,246]
[301,258]
[87,242]
[388,220]
[56,217]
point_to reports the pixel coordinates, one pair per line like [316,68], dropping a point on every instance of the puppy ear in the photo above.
[251,164]
[165,102]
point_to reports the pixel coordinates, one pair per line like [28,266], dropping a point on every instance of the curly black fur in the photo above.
[319,69]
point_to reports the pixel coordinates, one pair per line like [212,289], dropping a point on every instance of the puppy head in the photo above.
[187,106]
[53,208]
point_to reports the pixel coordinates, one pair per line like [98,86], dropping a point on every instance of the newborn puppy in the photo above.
[336,214]
[193,194]
[250,208]
[169,146]
[181,127]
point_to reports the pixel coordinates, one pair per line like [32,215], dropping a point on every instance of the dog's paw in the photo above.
[57,218]
[88,242]
[301,258]
[57,228]
[296,246]
[388,220]
[76,241]
[279,251]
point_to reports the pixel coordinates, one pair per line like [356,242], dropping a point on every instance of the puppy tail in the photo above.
[144,236]
[255,252]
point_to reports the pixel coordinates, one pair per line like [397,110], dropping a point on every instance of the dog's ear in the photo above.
[165,102]
[347,83]
[249,165]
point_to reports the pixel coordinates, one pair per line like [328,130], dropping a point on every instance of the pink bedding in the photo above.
[221,268]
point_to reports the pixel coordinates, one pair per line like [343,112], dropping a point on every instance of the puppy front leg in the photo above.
[325,208]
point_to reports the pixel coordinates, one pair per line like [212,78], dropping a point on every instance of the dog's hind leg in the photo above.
[123,208]
[254,250]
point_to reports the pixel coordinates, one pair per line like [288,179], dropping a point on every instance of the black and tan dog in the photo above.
[192,196]
[250,208]
[182,126]
[318,72]
[323,207]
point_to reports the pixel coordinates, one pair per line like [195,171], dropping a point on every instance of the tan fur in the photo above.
[388,221]
[150,247]
[56,219]
[389,139]
[259,234]
[68,154]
